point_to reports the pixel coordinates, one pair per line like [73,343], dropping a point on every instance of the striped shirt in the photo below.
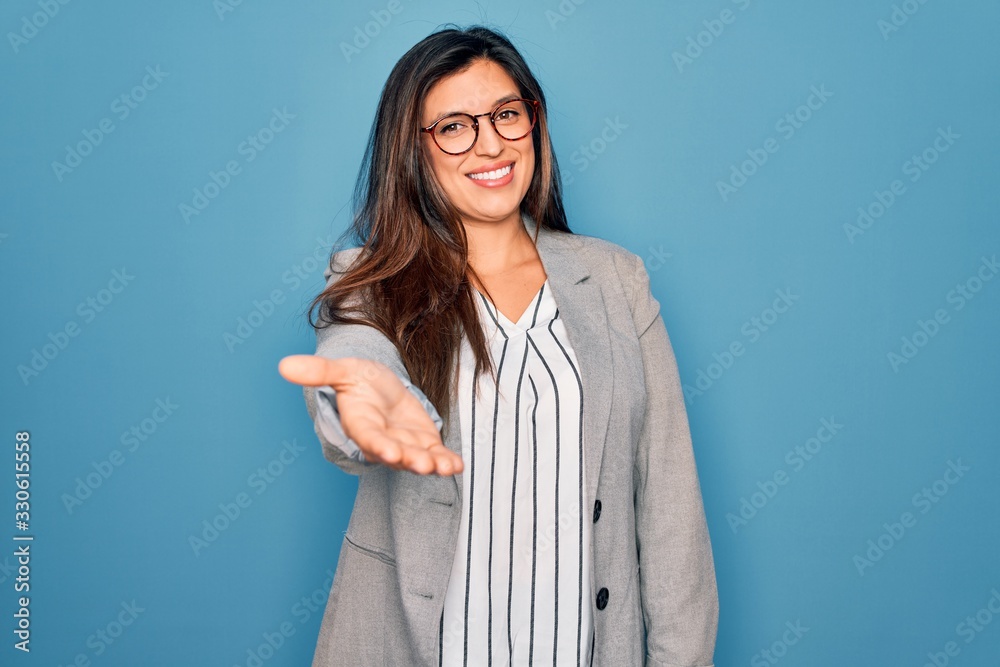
[519,591]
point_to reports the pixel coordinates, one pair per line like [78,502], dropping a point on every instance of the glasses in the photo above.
[457,133]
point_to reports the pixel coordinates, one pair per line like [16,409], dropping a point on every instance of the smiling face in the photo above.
[465,178]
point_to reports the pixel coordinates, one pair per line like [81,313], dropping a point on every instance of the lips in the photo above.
[497,167]
[496,178]
[496,175]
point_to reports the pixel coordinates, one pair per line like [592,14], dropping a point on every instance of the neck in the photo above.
[498,247]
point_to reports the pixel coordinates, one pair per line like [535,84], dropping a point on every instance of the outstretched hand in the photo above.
[377,412]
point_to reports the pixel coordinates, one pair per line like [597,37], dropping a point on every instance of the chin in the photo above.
[499,209]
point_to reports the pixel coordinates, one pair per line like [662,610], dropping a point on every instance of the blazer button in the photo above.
[597,511]
[602,598]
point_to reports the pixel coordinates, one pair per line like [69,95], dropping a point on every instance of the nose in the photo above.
[489,141]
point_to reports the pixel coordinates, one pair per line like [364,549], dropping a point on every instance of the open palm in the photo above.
[385,420]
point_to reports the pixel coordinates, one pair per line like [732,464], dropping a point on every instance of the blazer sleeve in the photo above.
[336,341]
[677,581]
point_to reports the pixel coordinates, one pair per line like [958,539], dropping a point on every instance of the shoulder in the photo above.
[608,255]
[340,261]
[604,257]
[608,260]
[599,255]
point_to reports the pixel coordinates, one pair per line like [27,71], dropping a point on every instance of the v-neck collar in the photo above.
[568,259]
[523,321]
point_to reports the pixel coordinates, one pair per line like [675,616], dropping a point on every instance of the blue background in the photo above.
[716,259]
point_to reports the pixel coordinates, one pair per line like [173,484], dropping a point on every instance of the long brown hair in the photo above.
[413,271]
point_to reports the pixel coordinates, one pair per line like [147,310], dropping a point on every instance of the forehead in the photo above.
[474,90]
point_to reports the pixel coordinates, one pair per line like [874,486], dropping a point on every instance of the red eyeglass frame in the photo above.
[536,105]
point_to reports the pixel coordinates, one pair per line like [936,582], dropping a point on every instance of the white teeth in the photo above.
[492,175]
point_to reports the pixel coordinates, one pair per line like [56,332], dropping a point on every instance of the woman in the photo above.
[557,517]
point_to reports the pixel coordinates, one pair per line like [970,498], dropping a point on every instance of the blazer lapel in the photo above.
[581,307]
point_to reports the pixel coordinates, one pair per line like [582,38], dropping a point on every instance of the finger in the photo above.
[448,462]
[315,371]
[418,461]
[380,447]
[424,453]
[422,461]
[441,460]
[443,466]
[413,446]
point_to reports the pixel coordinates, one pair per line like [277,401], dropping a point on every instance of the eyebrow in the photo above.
[505,98]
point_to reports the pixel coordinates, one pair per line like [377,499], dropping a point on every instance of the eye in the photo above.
[507,115]
[452,127]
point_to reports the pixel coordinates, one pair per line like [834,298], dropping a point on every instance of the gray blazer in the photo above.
[651,548]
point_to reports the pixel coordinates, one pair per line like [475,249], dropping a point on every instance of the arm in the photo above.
[351,340]
[677,583]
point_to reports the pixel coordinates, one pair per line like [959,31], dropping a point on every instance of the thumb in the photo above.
[313,371]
